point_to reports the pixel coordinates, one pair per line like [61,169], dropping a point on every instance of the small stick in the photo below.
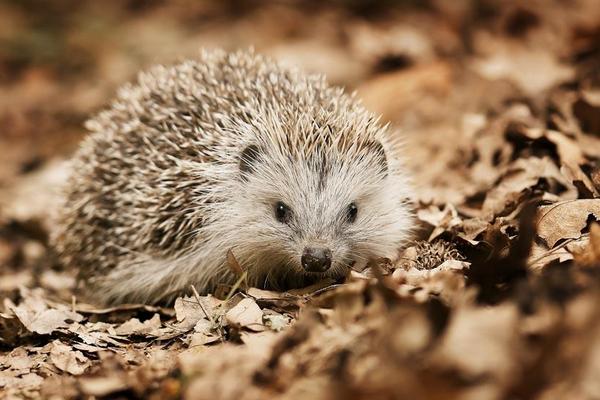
[236,285]
[197,296]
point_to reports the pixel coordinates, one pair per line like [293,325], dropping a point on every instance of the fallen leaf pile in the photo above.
[498,103]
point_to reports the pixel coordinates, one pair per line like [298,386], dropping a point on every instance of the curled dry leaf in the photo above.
[532,70]
[587,111]
[524,174]
[189,310]
[566,220]
[18,360]
[34,313]
[392,93]
[276,321]
[442,220]
[590,253]
[68,360]
[135,327]
[477,340]
[246,314]
[204,333]
[102,386]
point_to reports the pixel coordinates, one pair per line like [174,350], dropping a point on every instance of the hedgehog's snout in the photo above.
[316,259]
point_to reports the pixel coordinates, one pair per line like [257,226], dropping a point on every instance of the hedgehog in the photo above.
[230,154]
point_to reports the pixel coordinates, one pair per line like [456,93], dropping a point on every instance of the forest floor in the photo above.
[496,298]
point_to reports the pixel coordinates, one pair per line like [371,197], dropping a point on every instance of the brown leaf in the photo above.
[27,381]
[233,264]
[276,321]
[102,386]
[392,93]
[246,314]
[479,340]
[68,360]
[135,327]
[35,315]
[587,111]
[91,309]
[204,333]
[188,311]
[523,174]
[565,220]
[19,360]
[532,70]
[590,254]
[441,220]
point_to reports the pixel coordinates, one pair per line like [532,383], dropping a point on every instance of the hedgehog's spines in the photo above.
[156,198]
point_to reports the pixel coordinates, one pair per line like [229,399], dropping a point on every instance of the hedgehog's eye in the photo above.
[282,212]
[351,212]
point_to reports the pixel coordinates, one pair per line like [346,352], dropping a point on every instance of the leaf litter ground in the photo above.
[499,105]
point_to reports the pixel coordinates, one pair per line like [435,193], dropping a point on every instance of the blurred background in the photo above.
[417,62]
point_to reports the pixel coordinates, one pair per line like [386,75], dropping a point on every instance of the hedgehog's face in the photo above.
[317,254]
[320,215]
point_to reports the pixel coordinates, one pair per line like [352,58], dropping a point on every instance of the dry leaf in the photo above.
[587,110]
[189,311]
[276,321]
[204,333]
[135,327]
[589,252]
[68,360]
[35,315]
[566,220]
[392,93]
[246,314]
[532,70]
[523,174]
[102,386]
[477,341]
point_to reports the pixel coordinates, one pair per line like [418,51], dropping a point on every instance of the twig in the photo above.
[236,285]
[325,289]
[553,250]
[197,296]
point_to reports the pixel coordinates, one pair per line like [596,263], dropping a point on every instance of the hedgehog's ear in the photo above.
[248,159]
[377,148]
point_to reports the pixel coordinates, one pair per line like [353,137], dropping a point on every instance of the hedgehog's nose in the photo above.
[315,259]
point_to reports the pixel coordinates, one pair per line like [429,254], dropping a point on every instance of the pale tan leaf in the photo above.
[247,314]
[102,386]
[566,220]
[68,360]
[37,319]
[135,327]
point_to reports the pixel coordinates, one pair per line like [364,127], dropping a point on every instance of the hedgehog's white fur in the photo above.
[157,198]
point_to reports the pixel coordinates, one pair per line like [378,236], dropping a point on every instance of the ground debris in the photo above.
[499,108]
